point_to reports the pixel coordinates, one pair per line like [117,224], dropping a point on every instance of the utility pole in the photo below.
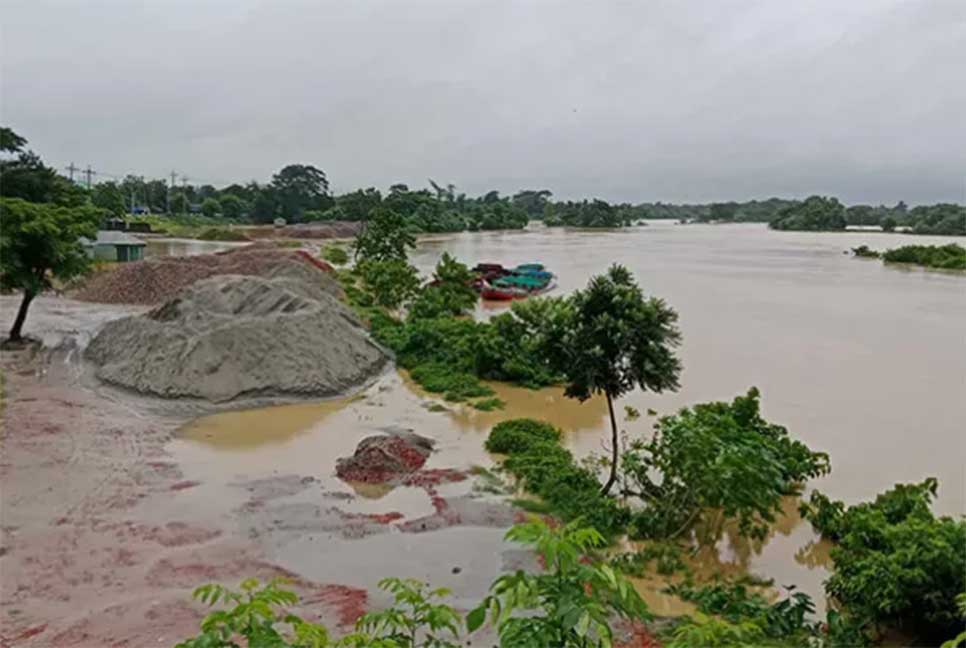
[167,200]
[89,172]
[184,195]
[71,168]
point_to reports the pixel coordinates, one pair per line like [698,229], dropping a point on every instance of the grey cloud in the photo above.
[649,100]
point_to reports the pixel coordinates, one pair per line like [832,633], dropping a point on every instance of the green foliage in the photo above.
[489,404]
[667,556]
[816,213]
[720,456]
[297,188]
[232,207]
[253,616]
[614,341]
[26,177]
[519,435]
[108,196]
[785,620]
[210,207]
[416,618]
[391,281]
[384,237]
[865,251]
[943,219]
[896,564]
[713,632]
[40,242]
[455,386]
[947,257]
[222,234]
[449,293]
[571,604]
[335,254]
[960,639]
[595,213]
[569,490]
[888,224]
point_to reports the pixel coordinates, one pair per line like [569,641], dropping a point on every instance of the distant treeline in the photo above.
[300,193]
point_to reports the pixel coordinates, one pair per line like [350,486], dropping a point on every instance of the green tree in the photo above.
[816,213]
[449,293]
[384,237]
[210,207]
[616,340]
[232,206]
[416,619]
[300,187]
[532,201]
[40,242]
[25,175]
[568,605]
[723,211]
[356,205]
[108,196]
[888,224]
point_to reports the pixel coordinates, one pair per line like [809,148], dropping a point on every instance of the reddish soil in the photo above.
[101,538]
[154,281]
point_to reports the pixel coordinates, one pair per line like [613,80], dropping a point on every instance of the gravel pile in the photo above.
[385,458]
[232,336]
[158,280]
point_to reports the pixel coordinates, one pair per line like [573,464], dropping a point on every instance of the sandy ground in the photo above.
[100,539]
[108,521]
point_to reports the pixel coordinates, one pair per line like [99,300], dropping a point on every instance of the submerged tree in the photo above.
[39,242]
[616,340]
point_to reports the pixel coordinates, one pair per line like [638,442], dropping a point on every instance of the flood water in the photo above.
[162,247]
[864,361]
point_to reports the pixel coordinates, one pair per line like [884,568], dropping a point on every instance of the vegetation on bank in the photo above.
[222,234]
[570,603]
[816,214]
[945,257]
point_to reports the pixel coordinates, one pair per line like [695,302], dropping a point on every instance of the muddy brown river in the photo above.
[861,360]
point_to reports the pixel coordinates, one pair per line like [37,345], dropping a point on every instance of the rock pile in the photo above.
[385,458]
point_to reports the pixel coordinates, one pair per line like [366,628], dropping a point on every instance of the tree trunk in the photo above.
[614,447]
[28,297]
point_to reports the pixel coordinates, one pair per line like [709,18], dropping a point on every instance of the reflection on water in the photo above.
[162,247]
[857,359]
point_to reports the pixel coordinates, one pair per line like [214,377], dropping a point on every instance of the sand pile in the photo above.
[234,336]
[157,280]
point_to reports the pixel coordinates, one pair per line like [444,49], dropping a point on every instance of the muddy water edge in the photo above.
[858,359]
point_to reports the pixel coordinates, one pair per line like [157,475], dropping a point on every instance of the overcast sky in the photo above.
[645,100]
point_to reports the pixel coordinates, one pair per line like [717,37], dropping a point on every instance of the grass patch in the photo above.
[489,404]
[335,254]
[222,234]
[519,435]
[288,243]
[455,386]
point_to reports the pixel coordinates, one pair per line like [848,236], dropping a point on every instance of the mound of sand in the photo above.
[155,281]
[237,336]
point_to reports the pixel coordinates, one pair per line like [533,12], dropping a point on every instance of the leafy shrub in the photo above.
[712,632]
[865,251]
[735,602]
[519,435]
[947,257]
[253,616]
[568,605]
[720,456]
[390,282]
[895,563]
[449,293]
[416,618]
[335,254]
[571,491]
[489,404]
[454,385]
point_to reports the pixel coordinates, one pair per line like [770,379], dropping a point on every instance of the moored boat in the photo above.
[497,283]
